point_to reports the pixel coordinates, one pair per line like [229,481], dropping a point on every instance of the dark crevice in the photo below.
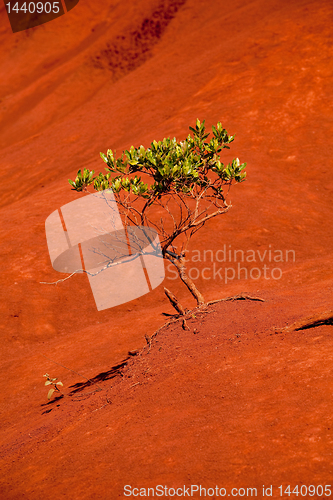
[313,324]
[128,52]
[324,318]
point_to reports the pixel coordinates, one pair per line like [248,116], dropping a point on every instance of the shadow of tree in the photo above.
[114,371]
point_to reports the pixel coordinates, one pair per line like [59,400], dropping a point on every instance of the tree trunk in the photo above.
[180,265]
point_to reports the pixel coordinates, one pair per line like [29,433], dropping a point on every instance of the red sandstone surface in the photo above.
[230,402]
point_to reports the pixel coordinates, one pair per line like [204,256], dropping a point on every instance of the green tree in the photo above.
[173,187]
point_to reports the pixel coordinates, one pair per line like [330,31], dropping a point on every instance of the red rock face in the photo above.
[232,403]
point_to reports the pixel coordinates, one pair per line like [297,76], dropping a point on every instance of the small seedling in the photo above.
[52,381]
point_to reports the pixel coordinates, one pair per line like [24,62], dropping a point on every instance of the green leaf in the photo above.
[104,157]
[51,391]
[48,382]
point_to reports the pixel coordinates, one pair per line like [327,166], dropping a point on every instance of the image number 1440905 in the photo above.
[25,15]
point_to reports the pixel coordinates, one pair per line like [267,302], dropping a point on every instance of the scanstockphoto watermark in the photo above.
[227,264]
[189,491]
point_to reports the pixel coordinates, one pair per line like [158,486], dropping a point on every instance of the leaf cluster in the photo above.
[174,167]
[83,179]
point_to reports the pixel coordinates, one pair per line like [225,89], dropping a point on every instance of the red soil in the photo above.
[230,402]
